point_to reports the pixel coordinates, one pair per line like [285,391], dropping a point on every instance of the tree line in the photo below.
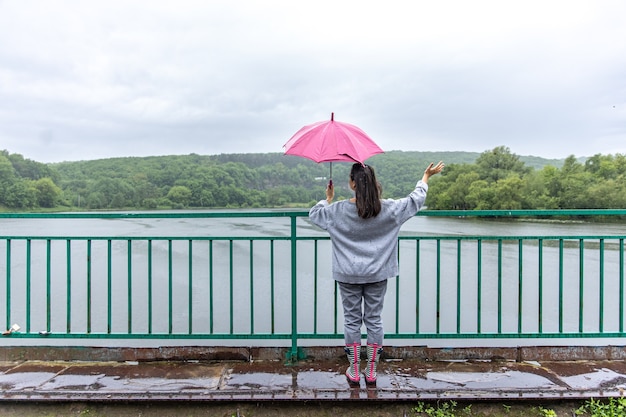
[494,179]
[499,180]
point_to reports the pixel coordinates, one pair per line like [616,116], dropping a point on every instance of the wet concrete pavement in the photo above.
[308,380]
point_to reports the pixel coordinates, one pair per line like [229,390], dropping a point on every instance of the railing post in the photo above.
[621,285]
[293,354]
[8,285]
[48,283]
[28,284]
[68,313]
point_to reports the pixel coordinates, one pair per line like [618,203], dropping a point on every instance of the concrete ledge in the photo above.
[247,354]
[120,354]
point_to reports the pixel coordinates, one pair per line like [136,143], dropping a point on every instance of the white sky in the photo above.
[104,78]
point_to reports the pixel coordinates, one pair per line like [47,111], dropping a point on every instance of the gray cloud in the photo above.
[86,80]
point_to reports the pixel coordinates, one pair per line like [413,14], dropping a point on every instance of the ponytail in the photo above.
[367,190]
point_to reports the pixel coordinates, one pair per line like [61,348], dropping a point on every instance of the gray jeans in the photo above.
[363,304]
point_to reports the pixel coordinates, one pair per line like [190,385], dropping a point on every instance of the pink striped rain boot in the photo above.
[354,357]
[373,355]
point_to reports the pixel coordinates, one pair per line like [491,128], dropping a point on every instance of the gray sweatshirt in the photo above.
[366,250]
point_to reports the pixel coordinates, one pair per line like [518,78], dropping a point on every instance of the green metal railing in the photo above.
[279,286]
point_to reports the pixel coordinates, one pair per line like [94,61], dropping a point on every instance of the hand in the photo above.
[330,192]
[432,170]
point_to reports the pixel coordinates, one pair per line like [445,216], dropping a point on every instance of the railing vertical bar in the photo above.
[621,285]
[8,284]
[89,286]
[438,295]
[170,286]
[561,286]
[68,320]
[48,284]
[190,289]
[540,287]
[601,302]
[231,295]
[211,321]
[397,325]
[479,284]
[336,307]
[581,285]
[272,293]
[315,289]
[499,286]
[28,283]
[293,355]
[417,286]
[251,286]
[520,287]
[458,286]
[109,287]
[129,268]
[149,286]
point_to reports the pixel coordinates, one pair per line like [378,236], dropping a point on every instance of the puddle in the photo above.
[493,380]
[601,378]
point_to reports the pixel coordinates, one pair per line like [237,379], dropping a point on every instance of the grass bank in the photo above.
[591,408]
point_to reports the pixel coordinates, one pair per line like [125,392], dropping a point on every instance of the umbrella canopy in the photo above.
[332,141]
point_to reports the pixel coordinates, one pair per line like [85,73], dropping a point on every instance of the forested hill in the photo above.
[231,180]
[234,180]
[489,180]
[258,159]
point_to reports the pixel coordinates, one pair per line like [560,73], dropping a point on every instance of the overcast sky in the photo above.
[94,79]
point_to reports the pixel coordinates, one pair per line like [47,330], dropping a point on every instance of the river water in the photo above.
[235,277]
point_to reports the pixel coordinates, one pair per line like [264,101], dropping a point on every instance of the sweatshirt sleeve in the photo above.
[319,214]
[407,207]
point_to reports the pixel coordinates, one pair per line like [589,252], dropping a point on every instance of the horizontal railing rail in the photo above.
[275,283]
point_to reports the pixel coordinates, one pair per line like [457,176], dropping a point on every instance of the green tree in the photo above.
[206,199]
[551,179]
[7,177]
[620,164]
[96,200]
[535,191]
[498,163]
[450,189]
[481,195]
[602,166]
[508,193]
[142,189]
[572,166]
[460,189]
[21,195]
[48,192]
[179,194]
[606,194]
[114,192]
[28,169]
[573,184]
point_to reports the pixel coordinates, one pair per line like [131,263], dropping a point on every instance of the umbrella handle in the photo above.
[330,182]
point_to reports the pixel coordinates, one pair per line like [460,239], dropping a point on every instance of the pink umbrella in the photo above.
[331,141]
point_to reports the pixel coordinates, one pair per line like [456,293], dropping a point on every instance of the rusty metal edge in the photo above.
[321,396]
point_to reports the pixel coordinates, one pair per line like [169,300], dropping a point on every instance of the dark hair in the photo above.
[367,190]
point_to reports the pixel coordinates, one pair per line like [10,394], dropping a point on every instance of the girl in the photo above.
[364,235]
